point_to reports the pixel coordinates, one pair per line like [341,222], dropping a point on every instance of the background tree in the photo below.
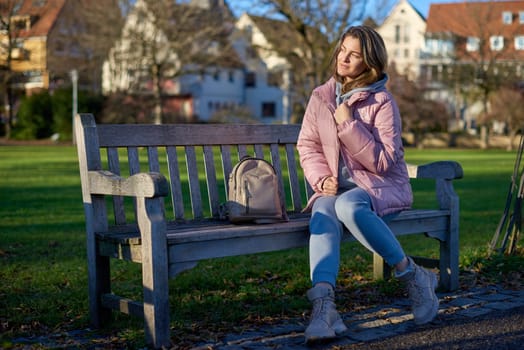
[419,114]
[506,105]
[81,39]
[9,33]
[164,40]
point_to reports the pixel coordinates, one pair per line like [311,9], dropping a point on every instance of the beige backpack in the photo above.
[254,194]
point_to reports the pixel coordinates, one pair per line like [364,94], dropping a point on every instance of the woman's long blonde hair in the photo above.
[373,52]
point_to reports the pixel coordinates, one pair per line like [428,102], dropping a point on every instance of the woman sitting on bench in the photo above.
[351,151]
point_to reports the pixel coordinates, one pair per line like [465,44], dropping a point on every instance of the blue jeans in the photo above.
[352,209]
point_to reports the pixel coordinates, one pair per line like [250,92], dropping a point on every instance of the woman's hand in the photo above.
[330,186]
[342,113]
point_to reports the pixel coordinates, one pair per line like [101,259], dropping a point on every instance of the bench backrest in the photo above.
[196,158]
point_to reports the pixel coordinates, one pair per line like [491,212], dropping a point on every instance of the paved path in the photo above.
[482,318]
[489,318]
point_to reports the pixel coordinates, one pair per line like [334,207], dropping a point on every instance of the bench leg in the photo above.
[381,270]
[154,271]
[98,275]
[449,263]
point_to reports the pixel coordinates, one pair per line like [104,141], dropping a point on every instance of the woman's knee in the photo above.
[352,205]
[322,222]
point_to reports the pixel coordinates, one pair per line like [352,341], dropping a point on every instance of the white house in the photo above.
[268,75]
[249,79]
[403,33]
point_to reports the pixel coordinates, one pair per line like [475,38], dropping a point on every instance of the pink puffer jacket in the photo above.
[371,146]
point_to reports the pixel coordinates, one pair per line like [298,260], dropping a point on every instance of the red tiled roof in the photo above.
[474,18]
[481,20]
[46,16]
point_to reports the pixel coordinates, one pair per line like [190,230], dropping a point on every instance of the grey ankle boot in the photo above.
[325,321]
[421,285]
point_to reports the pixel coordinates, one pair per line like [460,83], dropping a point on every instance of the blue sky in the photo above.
[373,6]
[421,5]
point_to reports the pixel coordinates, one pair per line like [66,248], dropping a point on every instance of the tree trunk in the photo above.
[484,137]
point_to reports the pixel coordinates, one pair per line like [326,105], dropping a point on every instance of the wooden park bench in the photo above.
[176,176]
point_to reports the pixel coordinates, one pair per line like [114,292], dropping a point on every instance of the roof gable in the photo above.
[43,15]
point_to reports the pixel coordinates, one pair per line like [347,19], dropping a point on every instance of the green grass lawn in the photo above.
[43,270]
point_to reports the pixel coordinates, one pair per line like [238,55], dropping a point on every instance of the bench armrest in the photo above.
[445,169]
[147,185]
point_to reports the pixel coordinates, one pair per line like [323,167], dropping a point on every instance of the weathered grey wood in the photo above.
[154,270]
[176,186]
[211,181]
[194,183]
[225,152]
[118,135]
[124,305]
[166,247]
[118,201]
[139,185]
[98,269]
[294,184]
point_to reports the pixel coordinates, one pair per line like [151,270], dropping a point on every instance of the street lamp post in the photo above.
[74,80]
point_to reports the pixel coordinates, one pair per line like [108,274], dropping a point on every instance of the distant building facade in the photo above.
[476,43]
[403,33]
[253,80]
[43,50]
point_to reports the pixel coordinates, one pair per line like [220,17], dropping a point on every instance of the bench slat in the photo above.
[211,180]
[259,151]
[227,165]
[176,185]
[296,196]
[194,183]
[119,135]
[118,201]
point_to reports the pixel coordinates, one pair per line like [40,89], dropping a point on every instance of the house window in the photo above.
[396,53]
[496,42]
[268,109]
[251,79]
[507,17]
[20,24]
[216,76]
[472,44]
[231,76]
[519,42]
[521,17]
[397,34]
[406,53]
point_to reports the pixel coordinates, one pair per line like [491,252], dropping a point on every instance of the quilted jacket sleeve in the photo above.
[310,148]
[374,139]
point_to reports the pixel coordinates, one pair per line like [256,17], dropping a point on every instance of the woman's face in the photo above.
[350,62]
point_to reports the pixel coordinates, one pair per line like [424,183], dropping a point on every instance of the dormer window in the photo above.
[519,42]
[472,44]
[496,42]
[507,17]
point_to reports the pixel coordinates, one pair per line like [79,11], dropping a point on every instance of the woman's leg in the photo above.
[353,208]
[324,241]
[324,256]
